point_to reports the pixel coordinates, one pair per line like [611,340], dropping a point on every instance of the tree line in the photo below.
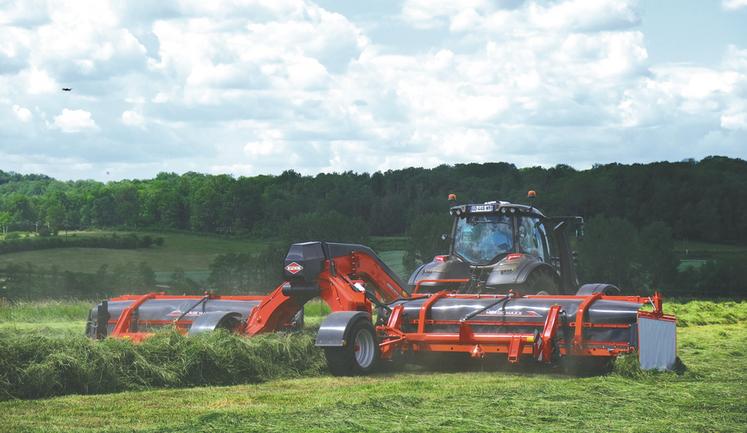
[699,200]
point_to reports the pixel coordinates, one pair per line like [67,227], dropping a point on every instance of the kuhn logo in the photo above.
[294,268]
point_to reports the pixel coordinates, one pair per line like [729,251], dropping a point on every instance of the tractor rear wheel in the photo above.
[540,282]
[360,353]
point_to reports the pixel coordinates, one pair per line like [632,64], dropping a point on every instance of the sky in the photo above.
[248,87]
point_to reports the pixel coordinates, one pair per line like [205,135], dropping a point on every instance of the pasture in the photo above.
[190,252]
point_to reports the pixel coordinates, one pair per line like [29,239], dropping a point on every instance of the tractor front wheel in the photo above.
[359,355]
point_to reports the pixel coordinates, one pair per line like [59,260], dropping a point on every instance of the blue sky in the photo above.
[251,86]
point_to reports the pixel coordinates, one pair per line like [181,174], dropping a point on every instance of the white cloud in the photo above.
[734,120]
[23,113]
[531,16]
[584,15]
[257,86]
[133,118]
[432,13]
[39,81]
[74,120]
[732,5]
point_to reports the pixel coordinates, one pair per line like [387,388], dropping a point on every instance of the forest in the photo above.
[700,200]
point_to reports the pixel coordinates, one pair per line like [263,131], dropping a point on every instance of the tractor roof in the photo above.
[495,207]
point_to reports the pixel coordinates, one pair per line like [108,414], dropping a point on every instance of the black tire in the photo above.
[359,356]
[540,282]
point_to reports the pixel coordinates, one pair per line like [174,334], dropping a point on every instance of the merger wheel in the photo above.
[359,356]
[540,283]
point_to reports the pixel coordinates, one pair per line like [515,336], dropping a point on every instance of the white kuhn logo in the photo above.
[294,268]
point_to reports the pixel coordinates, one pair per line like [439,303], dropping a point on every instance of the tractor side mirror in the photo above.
[579,228]
[444,237]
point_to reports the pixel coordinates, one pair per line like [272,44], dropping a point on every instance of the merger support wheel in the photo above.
[359,356]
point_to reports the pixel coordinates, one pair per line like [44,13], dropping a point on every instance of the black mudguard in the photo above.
[213,320]
[603,288]
[519,274]
[415,277]
[335,328]
[448,270]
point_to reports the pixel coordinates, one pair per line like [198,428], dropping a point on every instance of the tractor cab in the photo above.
[485,237]
[499,246]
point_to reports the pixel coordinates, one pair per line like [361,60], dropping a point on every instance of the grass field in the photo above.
[705,247]
[192,253]
[58,317]
[187,251]
[710,396]
[69,316]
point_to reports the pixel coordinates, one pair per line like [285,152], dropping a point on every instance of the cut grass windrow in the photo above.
[34,365]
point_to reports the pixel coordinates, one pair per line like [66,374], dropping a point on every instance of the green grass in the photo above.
[191,252]
[51,310]
[698,313]
[51,328]
[696,247]
[388,243]
[690,264]
[57,317]
[710,396]
[37,365]
[394,260]
[68,317]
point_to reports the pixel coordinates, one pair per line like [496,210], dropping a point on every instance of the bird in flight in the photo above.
[66,89]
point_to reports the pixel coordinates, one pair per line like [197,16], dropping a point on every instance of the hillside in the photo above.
[190,253]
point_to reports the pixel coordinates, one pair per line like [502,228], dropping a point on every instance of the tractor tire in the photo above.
[360,356]
[540,282]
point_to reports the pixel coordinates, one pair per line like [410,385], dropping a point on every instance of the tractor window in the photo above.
[481,238]
[530,237]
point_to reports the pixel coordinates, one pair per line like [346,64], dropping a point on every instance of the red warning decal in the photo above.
[294,268]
